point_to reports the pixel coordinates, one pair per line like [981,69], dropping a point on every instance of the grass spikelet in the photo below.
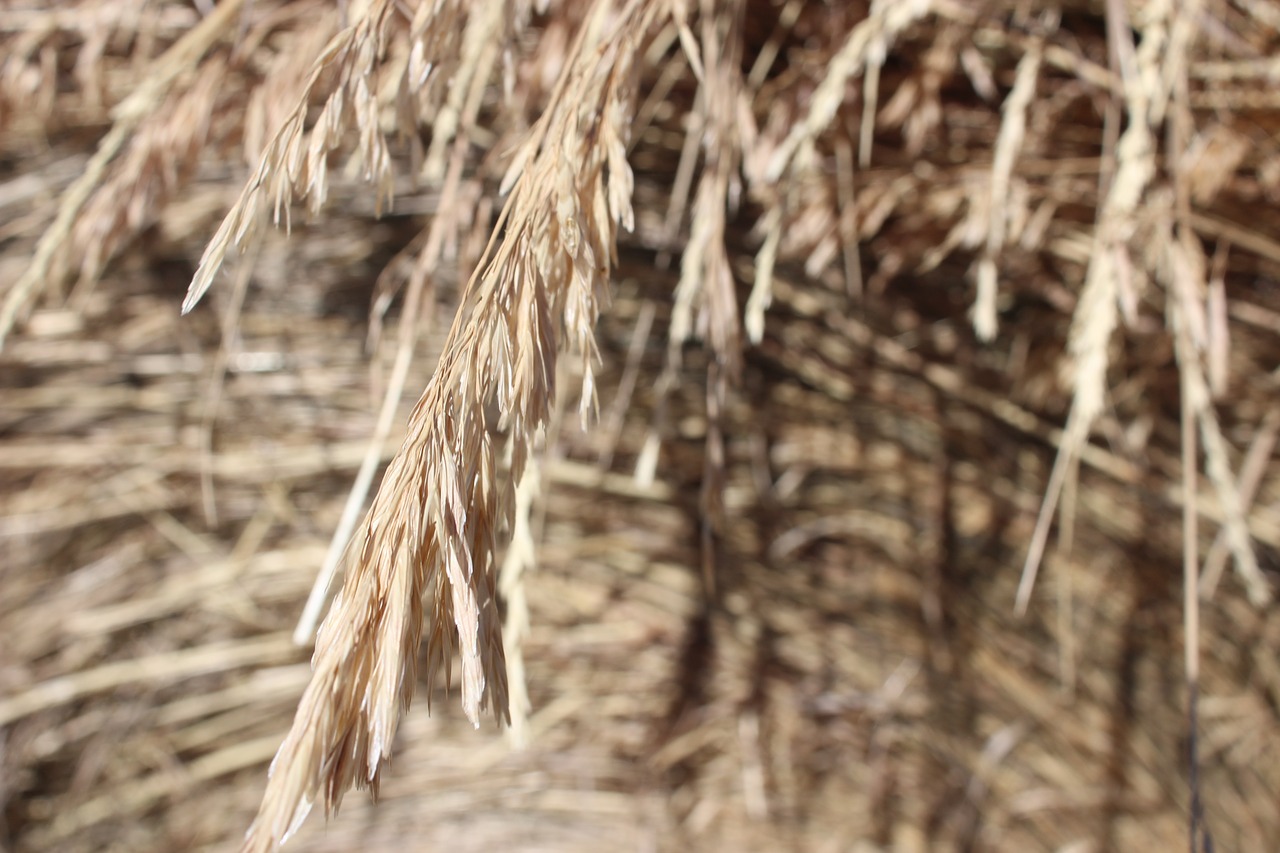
[294,162]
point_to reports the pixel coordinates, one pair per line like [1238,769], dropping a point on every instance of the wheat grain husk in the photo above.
[878,538]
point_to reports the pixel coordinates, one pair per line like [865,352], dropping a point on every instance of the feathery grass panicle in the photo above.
[378,57]
[287,168]
[434,524]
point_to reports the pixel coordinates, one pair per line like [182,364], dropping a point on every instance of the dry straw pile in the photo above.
[842,426]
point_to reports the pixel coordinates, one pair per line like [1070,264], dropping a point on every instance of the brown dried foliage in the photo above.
[827,174]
